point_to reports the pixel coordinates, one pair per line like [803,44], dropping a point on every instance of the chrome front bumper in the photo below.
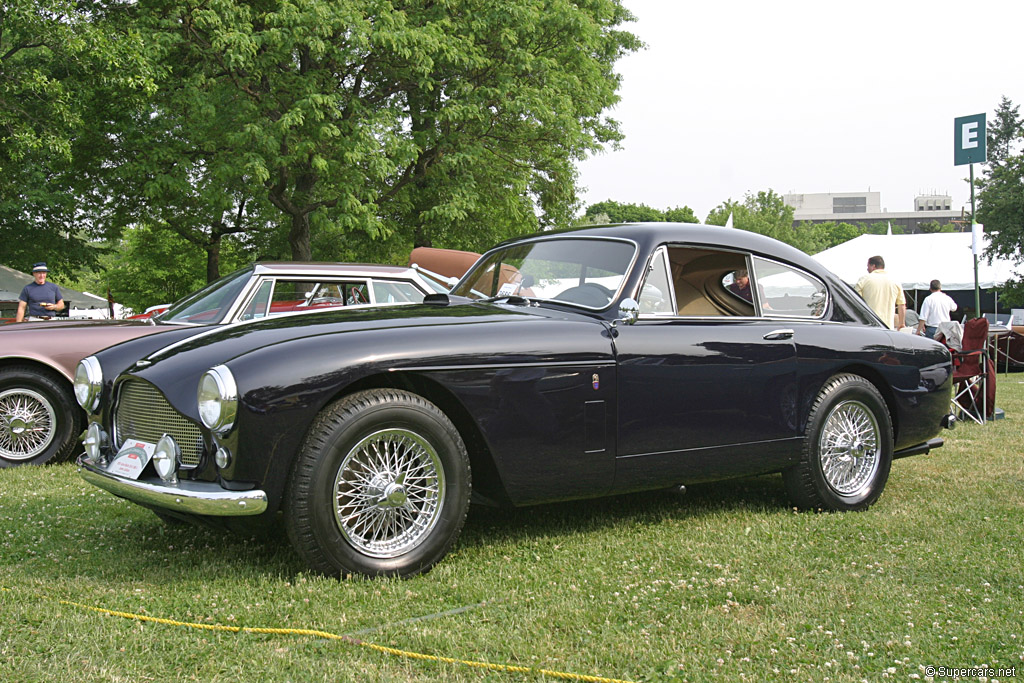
[192,497]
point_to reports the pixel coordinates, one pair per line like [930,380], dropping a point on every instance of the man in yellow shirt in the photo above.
[883,294]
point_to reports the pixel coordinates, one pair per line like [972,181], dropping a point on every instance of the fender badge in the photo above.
[595,381]
[143,363]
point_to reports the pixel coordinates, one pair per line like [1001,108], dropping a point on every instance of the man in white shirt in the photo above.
[935,309]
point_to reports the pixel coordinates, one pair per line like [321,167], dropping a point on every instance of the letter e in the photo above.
[970,135]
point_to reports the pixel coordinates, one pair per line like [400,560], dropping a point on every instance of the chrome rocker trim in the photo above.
[191,497]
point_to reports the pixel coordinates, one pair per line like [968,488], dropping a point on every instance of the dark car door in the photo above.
[707,385]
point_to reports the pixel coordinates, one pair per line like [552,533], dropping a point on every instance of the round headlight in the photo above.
[218,399]
[94,441]
[165,458]
[88,383]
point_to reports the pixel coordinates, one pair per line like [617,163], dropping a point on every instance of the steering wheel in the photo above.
[356,296]
[588,294]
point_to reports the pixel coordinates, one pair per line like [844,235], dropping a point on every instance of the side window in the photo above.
[786,291]
[260,302]
[708,282]
[291,295]
[395,293]
[656,292]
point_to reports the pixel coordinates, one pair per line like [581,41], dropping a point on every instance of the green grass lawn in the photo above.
[725,582]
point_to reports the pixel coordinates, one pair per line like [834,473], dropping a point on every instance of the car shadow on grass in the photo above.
[754,495]
[139,542]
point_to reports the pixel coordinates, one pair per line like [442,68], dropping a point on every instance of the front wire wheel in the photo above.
[28,425]
[389,491]
[848,448]
[39,420]
[380,488]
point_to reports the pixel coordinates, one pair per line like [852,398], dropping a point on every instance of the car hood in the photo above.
[232,341]
[392,337]
[60,344]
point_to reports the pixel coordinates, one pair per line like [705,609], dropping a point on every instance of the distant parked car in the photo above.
[39,419]
[565,365]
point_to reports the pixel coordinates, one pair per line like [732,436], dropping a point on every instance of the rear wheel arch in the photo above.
[871,375]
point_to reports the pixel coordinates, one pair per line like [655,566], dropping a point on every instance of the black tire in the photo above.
[349,512]
[847,449]
[39,418]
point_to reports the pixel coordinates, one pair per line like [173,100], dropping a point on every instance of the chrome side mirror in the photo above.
[629,311]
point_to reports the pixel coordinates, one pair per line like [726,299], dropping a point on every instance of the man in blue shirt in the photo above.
[42,299]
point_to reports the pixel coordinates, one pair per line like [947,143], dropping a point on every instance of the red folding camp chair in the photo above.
[973,374]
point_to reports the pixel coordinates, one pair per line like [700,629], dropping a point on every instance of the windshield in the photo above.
[582,271]
[211,303]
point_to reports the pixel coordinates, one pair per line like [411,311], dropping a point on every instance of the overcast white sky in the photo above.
[736,96]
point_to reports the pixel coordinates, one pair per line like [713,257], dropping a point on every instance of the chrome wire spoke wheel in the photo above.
[388,493]
[849,447]
[28,424]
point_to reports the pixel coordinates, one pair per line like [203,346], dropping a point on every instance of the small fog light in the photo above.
[165,459]
[223,457]
[94,442]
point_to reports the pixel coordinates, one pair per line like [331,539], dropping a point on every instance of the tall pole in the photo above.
[976,237]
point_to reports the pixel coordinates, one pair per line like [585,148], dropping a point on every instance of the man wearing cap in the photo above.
[42,299]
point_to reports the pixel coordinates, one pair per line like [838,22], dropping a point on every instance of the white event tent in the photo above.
[916,260]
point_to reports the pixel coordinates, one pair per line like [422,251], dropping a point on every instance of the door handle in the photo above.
[775,335]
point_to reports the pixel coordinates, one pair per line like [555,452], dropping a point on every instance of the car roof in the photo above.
[648,235]
[314,269]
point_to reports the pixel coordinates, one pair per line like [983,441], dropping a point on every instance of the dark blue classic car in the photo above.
[564,365]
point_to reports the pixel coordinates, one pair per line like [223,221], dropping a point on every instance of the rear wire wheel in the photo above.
[847,449]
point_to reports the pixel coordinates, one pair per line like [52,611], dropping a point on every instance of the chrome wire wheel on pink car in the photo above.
[28,424]
[39,420]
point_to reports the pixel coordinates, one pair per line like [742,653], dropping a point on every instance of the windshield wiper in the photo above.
[514,299]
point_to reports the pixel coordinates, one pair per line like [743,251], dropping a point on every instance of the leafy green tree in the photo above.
[616,212]
[152,265]
[820,236]
[883,228]
[55,56]
[1001,190]
[1004,133]
[681,214]
[766,213]
[414,121]
[625,213]
[934,226]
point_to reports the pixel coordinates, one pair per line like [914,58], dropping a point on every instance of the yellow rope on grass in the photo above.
[352,641]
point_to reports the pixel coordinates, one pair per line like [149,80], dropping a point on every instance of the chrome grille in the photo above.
[143,413]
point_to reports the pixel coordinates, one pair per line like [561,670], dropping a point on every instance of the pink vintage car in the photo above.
[39,418]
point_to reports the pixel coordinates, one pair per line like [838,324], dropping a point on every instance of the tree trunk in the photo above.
[213,258]
[298,238]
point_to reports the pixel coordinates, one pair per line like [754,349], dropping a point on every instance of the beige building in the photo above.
[866,208]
